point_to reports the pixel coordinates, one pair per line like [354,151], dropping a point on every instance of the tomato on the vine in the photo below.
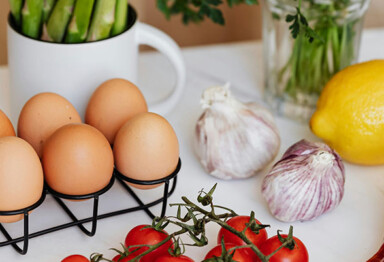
[147,236]
[75,258]
[240,255]
[298,254]
[238,223]
[170,258]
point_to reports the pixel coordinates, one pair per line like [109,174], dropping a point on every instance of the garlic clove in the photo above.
[307,182]
[232,139]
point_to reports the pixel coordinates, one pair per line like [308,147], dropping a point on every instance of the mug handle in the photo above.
[151,36]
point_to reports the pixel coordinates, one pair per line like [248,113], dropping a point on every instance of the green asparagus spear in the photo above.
[102,20]
[78,27]
[31,16]
[47,9]
[59,19]
[16,6]
[121,13]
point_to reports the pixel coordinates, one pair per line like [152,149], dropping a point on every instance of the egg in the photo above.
[146,148]
[21,176]
[77,160]
[42,115]
[112,104]
[6,127]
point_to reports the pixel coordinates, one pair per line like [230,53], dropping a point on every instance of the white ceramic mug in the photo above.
[75,70]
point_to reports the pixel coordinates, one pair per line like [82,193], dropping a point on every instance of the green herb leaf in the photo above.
[251,2]
[217,16]
[163,7]
[197,10]
[237,2]
[299,25]
[290,18]
[214,2]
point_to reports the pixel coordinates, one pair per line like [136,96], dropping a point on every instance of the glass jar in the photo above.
[296,70]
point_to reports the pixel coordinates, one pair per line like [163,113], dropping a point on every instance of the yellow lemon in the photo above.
[350,113]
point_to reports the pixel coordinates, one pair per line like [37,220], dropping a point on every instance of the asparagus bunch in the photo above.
[70,21]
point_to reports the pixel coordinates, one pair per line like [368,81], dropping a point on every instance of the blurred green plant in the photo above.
[76,21]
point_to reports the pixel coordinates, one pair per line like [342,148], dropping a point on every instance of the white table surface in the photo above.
[352,232]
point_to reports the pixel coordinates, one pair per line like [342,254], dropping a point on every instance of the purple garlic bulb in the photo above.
[307,182]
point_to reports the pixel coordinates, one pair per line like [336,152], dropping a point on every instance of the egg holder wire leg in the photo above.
[168,191]
[57,196]
[25,238]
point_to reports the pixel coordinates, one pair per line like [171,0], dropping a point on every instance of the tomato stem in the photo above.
[224,225]
[96,257]
[287,242]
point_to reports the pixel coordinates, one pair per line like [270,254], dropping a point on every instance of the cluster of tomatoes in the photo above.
[266,245]
[145,235]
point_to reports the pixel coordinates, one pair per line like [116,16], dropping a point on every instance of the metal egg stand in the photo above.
[168,190]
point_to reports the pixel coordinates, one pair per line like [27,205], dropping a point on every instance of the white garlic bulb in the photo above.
[307,182]
[232,139]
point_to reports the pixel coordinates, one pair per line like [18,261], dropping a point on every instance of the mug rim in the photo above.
[132,19]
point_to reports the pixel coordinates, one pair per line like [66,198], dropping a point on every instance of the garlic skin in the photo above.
[307,182]
[232,139]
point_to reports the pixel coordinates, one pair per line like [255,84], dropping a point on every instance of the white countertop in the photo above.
[352,232]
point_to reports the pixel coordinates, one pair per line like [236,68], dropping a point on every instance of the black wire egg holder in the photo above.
[168,191]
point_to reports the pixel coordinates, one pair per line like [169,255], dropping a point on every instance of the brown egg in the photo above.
[42,115]
[21,176]
[146,148]
[77,160]
[112,104]
[6,127]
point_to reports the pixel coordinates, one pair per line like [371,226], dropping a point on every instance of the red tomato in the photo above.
[238,223]
[241,255]
[75,258]
[147,236]
[298,254]
[169,258]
